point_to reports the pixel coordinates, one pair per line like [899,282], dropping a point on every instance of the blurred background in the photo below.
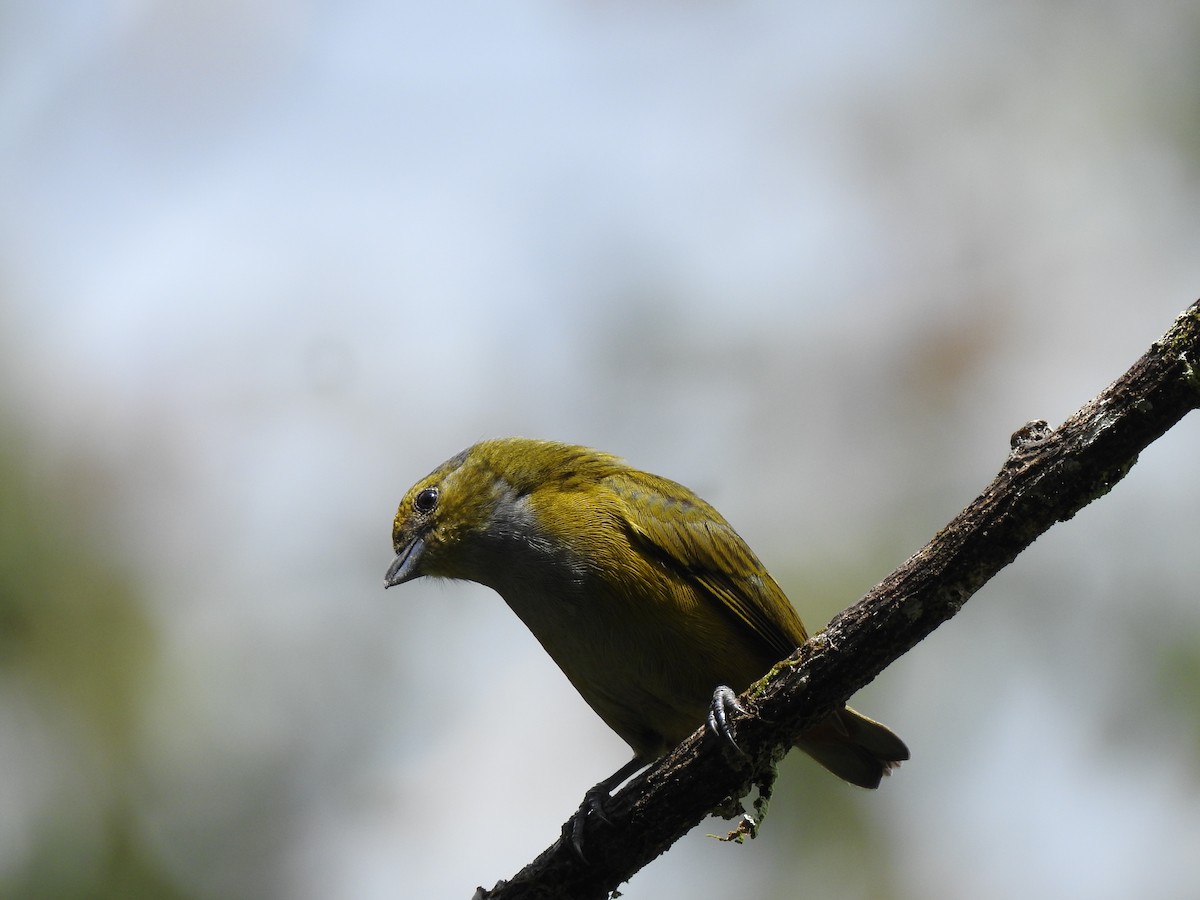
[263,264]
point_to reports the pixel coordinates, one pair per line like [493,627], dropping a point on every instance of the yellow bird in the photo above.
[640,591]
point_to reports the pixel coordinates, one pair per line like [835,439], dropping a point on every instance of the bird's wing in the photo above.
[686,533]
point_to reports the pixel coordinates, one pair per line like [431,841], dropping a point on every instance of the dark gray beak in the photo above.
[406,565]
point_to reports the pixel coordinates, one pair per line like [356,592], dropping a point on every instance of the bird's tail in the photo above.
[854,748]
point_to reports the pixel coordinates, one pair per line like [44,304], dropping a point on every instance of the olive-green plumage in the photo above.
[639,590]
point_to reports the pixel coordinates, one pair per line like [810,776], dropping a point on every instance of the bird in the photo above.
[650,603]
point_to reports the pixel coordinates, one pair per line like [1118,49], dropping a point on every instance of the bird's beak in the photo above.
[406,565]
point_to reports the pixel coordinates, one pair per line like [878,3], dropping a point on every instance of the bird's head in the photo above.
[460,520]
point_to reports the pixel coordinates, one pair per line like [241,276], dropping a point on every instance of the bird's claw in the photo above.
[592,805]
[720,715]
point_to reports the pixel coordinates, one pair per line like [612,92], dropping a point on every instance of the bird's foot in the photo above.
[594,803]
[724,705]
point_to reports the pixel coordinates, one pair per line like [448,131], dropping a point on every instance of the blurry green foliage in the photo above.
[76,649]
[1176,685]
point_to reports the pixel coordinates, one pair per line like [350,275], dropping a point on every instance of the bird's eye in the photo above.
[426,500]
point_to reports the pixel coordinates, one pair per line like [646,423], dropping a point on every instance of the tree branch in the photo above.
[1049,476]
